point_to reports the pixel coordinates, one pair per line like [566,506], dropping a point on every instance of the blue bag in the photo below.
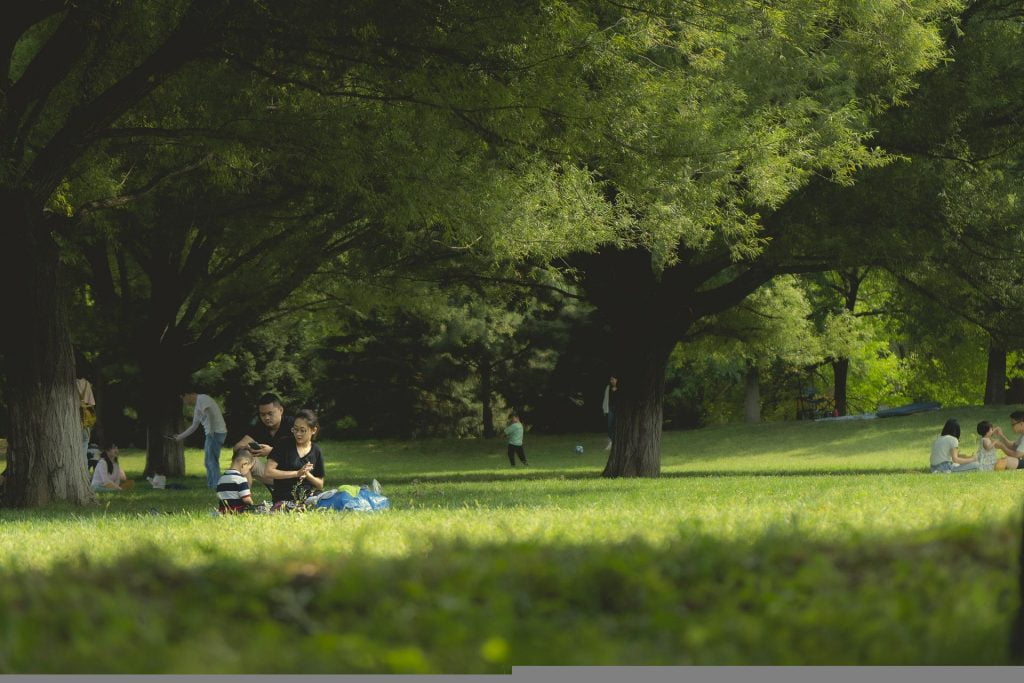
[365,501]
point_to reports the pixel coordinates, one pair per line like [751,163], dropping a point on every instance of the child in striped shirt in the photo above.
[233,486]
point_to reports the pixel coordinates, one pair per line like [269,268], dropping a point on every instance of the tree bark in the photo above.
[46,460]
[840,375]
[995,375]
[162,417]
[642,360]
[487,413]
[752,396]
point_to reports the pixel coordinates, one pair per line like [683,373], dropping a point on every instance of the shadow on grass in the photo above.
[776,599]
[544,475]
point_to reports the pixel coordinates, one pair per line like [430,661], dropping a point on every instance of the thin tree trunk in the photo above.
[46,460]
[752,396]
[840,375]
[639,409]
[485,398]
[995,375]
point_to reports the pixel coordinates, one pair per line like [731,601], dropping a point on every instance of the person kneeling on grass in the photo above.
[297,467]
[108,475]
[946,451]
[233,486]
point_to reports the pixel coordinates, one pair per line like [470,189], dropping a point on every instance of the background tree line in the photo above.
[476,206]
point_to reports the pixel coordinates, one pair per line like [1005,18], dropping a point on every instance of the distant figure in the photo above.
[233,491]
[297,467]
[514,432]
[946,451]
[108,475]
[271,428]
[611,395]
[206,413]
[86,412]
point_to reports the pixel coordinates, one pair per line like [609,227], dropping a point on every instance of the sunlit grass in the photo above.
[820,508]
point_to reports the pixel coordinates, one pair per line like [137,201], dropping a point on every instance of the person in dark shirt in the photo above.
[297,467]
[271,427]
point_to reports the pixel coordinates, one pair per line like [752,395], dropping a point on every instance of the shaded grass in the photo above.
[792,543]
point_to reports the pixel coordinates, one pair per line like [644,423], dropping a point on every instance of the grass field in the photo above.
[787,543]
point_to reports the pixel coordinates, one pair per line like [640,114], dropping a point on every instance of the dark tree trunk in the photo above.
[995,375]
[1017,630]
[162,416]
[642,360]
[840,375]
[487,414]
[46,461]
[752,396]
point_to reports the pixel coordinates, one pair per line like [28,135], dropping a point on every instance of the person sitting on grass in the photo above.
[994,438]
[297,467]
[514,432]
[233,491]
[946,451]
[271,427]
[108,475]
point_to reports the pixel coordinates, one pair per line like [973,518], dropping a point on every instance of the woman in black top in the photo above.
[297,464]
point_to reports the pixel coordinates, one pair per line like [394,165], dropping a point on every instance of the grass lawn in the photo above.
[791,543]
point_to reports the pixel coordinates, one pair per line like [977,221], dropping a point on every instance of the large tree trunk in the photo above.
[840,375]
[995,375]
[642,360]
[162,416]
[487,413]
[46,460]
[752,396]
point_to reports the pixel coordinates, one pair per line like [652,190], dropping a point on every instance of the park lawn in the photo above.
[787,543]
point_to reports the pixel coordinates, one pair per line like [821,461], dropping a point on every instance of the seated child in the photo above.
[233,486]
[988,458]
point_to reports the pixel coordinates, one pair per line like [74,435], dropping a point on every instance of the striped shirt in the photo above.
[232,487]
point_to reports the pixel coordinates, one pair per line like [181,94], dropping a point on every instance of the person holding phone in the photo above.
[271,428]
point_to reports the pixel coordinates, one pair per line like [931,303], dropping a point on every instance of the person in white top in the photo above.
[207,413]
[108,475]
[946,451]
[611,396]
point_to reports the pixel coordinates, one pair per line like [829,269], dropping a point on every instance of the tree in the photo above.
[69,72]
[769,327]
[771,106]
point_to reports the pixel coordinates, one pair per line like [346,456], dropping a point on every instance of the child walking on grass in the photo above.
[233,490]
[514,432]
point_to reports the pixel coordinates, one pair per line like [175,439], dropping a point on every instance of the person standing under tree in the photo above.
[86,407]
[514,432]
[206,413]
[611,395]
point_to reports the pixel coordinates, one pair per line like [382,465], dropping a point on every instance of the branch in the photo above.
[198,29]
[121,200]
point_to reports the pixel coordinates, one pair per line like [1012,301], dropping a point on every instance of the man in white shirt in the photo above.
[207,413]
